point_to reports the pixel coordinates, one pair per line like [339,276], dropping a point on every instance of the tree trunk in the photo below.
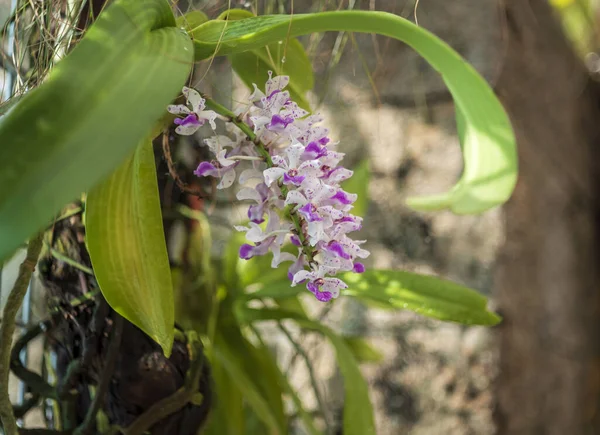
[547,276]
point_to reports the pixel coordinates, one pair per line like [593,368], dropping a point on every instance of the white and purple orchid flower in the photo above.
[302,176]
[195,117]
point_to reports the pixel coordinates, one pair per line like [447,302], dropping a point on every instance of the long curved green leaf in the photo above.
[126,242]
[426,295]
[89,115]
[490,161]
[358,411]
[283,58]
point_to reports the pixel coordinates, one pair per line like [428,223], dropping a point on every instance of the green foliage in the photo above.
[191,20]
[490,161]
[126,243]
[426,295]
[282,58]
[88,116]
[578,20]
[358,412]
[362,350]
[254,374]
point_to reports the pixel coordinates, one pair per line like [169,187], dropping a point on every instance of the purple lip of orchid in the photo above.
[313,286]
[280,122]
[246,251]
[295,240]
[342,197]
[192,119]
[296,180]
[309,211]
[204,169]
[256,213]
[314,151]
[358,267]
[337,249]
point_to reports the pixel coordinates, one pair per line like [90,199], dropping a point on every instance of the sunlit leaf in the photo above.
[125,239]
[89,115]
[490,160]
[426,295]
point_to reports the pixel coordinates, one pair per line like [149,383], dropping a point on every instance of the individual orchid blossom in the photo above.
[195,117]
[293,184]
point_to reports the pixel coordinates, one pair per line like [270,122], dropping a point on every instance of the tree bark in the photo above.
[547,275]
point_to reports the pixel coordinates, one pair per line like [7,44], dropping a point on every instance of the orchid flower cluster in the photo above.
[295,176]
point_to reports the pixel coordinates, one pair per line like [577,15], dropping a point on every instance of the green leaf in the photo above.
[490,159]
[191,20]
[7,105]
[359,184]
[239,359]
[89,115]
[426,295]
[286,57]
[280,289]
[362,350]
[126,242]
[358,411]
[227,416]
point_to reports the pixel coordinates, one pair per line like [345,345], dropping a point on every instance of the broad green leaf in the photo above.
[88,116]
[126,242]
[358,411]
[490,160]
[362,350]
[359,184]
[423,294]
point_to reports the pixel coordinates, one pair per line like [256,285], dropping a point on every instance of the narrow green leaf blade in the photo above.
[237,356]
[490,159]
[125,239]
[358,411]
[89,115]
[426,295]
[362,350]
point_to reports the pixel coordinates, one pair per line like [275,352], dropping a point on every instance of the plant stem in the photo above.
[7,329]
